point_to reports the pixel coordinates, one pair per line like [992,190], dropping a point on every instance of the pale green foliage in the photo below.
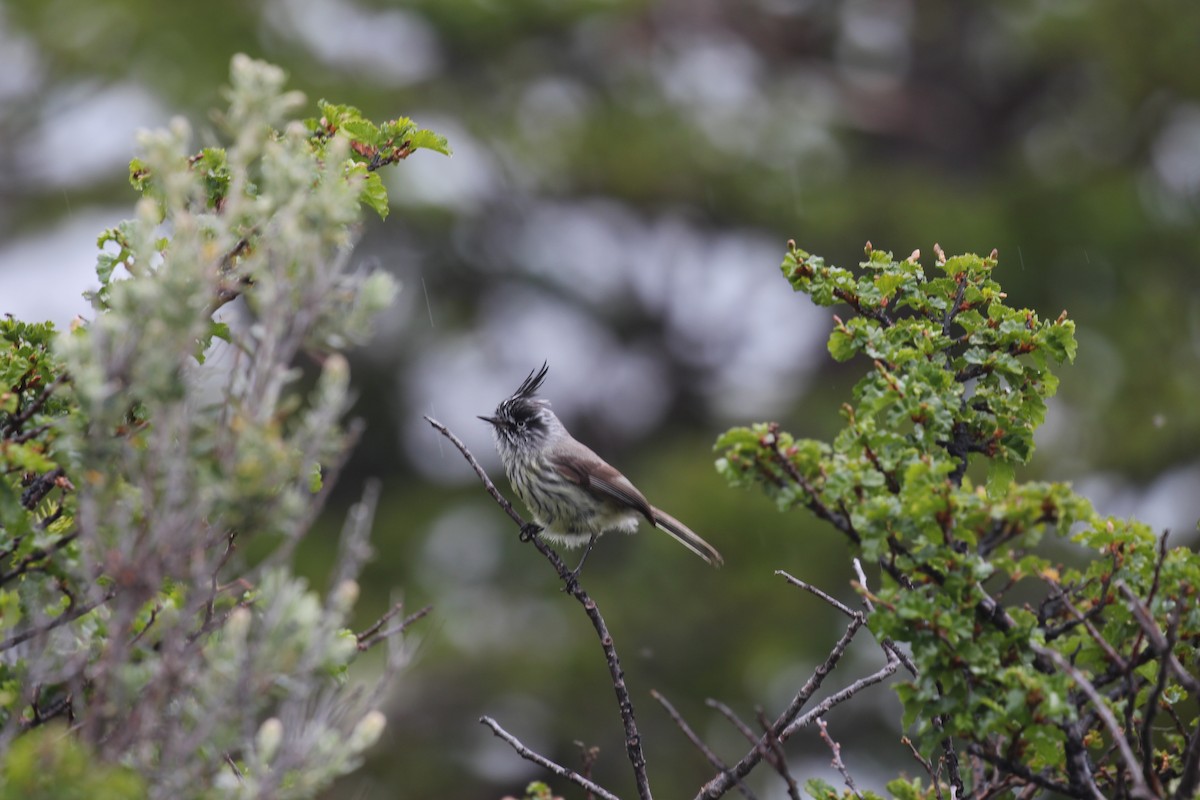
[125,602]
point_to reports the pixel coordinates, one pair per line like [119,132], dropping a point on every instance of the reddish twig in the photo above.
[924,762]
[837,758]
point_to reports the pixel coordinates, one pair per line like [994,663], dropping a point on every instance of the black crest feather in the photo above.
[532,382]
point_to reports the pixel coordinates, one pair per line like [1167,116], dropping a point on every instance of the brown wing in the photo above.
[594,474]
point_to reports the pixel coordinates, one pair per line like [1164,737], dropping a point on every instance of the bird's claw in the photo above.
[572,579]
[530,530]
[571,582]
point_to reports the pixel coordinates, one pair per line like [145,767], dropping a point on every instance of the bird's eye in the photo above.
[521,425]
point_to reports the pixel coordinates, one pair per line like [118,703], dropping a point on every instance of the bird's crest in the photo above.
[533,382]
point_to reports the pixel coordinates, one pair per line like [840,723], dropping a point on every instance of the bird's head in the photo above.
[523,419]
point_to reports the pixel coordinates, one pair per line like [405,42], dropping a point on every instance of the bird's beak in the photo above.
[490,420]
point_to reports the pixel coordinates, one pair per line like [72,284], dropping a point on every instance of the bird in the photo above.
[573,494]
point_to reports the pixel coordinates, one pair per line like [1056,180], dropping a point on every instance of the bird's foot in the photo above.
[529,530]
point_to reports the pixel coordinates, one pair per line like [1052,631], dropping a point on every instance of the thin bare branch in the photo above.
[697,742]
[722,783]
[588,756]
[1023,772]
[779,760]
[373,635]
[214,587]
[1146,737]
[924,762]
[1190,775]
[808,587]
[487,482]
[839,519]
[1109,651]
[862,581]
[559,770]
[1158,640]
[841,696]
[729,714]
[62,619]
[886,643]
[28,562]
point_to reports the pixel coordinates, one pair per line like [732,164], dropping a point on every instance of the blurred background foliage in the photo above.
[625,175]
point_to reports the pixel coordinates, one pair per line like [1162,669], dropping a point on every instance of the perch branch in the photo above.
[633,739]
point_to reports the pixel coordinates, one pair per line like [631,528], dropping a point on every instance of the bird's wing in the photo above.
[594,474]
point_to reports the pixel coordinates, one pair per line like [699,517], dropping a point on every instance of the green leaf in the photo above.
[105,264]
[1000,476]
[220,330]
[888,282]
[428,140]
[362,130]
[139,174]
[820,790]
[374,195]
[397,130]
[735,437]
[1059,339]
[842,346]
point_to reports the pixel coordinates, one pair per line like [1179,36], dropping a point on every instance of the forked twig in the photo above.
[735,720]
[373,635]
[699,744]
[780,760]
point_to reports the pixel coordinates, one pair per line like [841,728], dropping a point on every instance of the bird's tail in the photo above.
[686,537]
